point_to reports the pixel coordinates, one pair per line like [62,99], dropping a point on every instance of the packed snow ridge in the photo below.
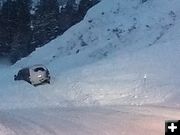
[116,72]
[123,53]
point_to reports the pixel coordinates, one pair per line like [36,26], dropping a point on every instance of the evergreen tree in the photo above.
[68,16]
[85,5]
[9,21]
[21,32]
[23,15]
[45,22]
[22,36]
[48,6]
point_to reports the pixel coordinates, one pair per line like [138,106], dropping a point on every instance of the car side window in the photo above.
[39,69]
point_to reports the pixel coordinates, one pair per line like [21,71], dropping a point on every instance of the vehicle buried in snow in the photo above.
[35,75]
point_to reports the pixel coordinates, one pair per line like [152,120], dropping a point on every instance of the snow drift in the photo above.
[104,59]
[113,73]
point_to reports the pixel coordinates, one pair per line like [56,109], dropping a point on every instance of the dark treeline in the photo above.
[22,28]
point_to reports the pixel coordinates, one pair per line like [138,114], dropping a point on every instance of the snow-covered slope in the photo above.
[121,63]
[123,52]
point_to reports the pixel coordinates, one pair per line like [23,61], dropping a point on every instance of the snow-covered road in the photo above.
[109,120]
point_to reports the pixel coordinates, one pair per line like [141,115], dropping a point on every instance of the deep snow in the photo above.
[122,53]
[103,60]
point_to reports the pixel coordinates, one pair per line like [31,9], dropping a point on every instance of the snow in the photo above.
[114,120]
[118,66]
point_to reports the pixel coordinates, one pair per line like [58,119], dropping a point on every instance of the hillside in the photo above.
[104,60]
[124,53]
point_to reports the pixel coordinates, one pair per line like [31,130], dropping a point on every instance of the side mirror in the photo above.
[15,77]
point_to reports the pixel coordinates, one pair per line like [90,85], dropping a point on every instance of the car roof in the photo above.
[38,66]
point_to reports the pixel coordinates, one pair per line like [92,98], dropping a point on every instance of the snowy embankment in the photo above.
[104,59]
[122,53]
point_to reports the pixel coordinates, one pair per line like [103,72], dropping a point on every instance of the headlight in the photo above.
[39,76]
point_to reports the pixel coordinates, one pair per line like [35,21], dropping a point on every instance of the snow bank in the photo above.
[122,60]
[103,60]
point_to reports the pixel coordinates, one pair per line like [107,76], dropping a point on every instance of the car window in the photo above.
[39,69]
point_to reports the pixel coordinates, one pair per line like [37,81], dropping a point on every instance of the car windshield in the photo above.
[39,69]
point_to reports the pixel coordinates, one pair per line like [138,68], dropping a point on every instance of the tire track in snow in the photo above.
[107,120]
